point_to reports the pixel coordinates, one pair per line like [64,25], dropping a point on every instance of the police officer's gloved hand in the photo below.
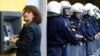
[78,37]
[97,36]
[83,40]
[98,33]
[80,43]
[90,38]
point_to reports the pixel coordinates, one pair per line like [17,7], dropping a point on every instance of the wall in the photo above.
[12,5]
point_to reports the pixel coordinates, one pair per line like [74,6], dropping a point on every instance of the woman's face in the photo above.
[28,16]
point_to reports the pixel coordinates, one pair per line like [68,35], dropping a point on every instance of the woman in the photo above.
[29,40]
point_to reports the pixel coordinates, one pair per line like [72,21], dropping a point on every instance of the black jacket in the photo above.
[29,40]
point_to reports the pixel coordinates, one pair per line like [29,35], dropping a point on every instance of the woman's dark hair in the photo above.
[35,11]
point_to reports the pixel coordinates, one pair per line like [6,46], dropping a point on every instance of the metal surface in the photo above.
[10,24]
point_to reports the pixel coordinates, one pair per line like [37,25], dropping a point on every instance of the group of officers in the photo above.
[70,25]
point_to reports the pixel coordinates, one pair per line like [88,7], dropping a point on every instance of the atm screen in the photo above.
[8,29]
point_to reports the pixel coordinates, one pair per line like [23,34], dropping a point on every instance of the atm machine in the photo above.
[10,24]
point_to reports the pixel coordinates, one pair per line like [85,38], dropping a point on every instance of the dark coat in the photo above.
[58,31]
[29,40]
[95,24]
[78,25]
[90,29]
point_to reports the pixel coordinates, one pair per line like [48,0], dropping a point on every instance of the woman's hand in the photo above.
[13,39]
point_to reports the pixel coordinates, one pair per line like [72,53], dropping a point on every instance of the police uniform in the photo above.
[58,32]
[90,31]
